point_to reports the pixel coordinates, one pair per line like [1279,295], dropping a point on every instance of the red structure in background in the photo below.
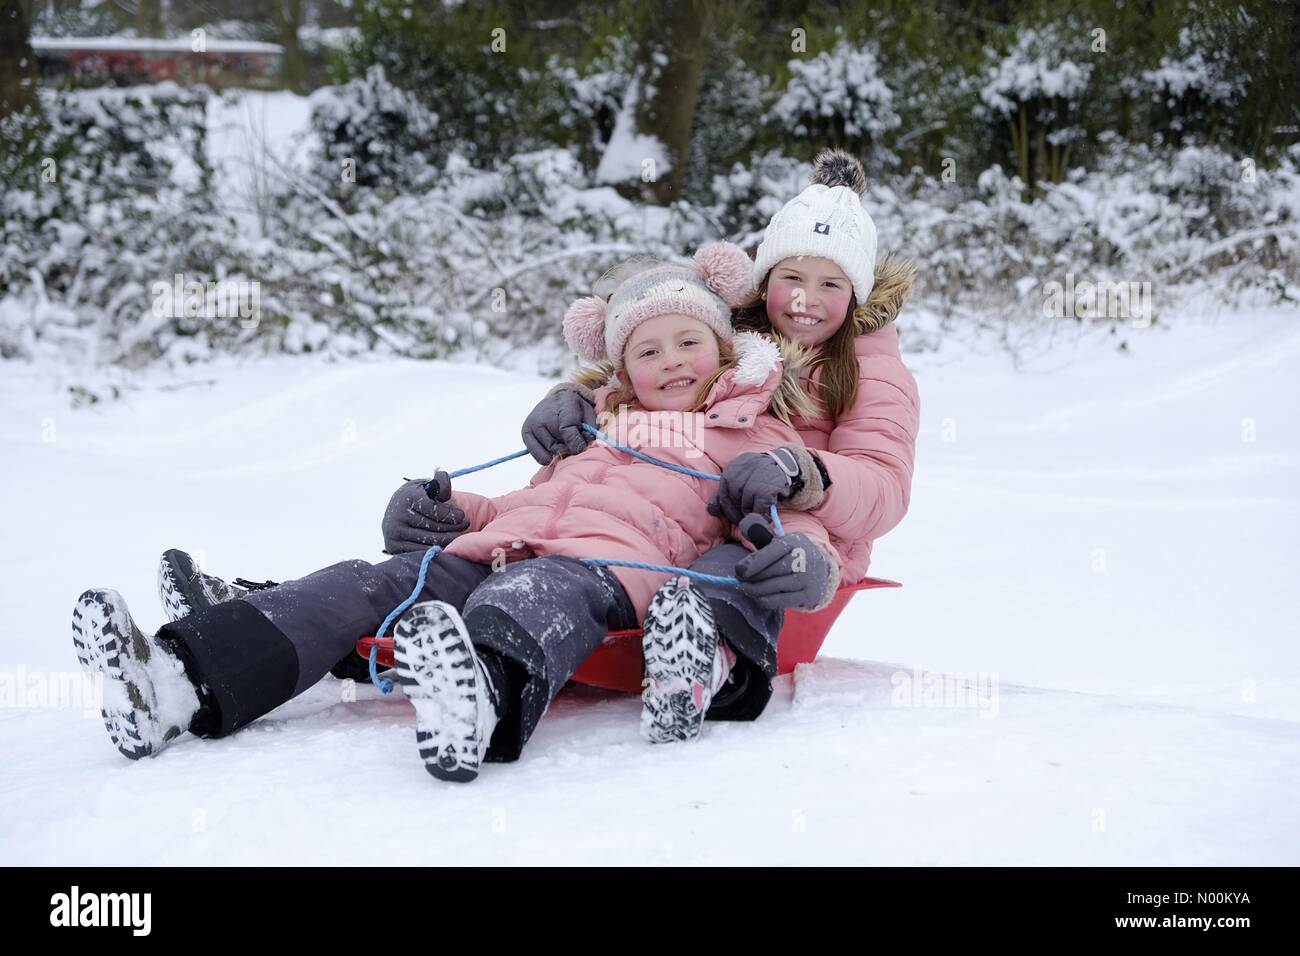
[120,61]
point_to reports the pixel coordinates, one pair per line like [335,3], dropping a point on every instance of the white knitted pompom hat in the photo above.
[828,220]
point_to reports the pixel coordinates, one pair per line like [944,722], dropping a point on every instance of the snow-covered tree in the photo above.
[1195,87]
[1034,92]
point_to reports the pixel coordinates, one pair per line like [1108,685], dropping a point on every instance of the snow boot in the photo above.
[456,706]
[148,698]
[685,663]
[184,588]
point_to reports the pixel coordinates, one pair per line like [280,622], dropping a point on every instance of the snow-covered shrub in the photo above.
[487,82]
[1031,96]
[1195,86]
[728,119]
[840,96]
[746,198]
[434,251]
[374,135]
[1198,68]
[593,95]
[113,197]
[1144,216]
[476,262]
[1034,68]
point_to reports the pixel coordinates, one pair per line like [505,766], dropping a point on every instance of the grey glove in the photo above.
[554,427]
[414,521]
[754,481]
[789,572]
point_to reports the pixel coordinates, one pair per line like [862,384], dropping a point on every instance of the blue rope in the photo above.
[780,531]
[386,686]
[488,464]
[665,568]
[650,458]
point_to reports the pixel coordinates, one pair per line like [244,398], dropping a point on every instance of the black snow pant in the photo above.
[749,628]
[543,617]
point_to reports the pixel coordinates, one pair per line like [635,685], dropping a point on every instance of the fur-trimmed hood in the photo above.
[758,356]
[894,279]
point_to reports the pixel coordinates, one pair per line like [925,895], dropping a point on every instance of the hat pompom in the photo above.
[584,328]
[726,270]
[836,167]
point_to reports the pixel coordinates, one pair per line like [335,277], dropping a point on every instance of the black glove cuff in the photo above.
[821,470]
[814,489]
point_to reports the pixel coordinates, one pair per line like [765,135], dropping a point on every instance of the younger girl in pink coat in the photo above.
[695,397]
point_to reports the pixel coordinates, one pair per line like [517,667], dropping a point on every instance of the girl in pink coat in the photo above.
[482,654]
[817,284]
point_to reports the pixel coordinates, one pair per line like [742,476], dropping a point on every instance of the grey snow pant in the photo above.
[542,617]
[269,646]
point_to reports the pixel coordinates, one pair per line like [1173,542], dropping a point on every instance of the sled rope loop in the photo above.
[386,686]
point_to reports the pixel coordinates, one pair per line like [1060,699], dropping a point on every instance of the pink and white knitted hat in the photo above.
[717,279]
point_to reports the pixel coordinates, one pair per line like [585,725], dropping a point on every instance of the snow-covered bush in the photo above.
[477,262]
[593,95]
[1033,93]
[111,196]
[728,119]
[746,198]
[428,251]
[1195,85]
[1035,68]
[1140,218]
[1197,68]
[840,96]
[488,83]
[374,135]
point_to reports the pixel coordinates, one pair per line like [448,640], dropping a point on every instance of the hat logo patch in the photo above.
[822,228]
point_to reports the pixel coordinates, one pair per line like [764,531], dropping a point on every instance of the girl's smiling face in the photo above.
[808,299]
[666,359]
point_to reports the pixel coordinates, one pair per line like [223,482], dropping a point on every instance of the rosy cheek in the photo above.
[778,300]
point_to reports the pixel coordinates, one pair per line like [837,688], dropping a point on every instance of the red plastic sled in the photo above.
[617,664]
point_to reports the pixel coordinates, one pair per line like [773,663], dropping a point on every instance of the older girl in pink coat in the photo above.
[818,284]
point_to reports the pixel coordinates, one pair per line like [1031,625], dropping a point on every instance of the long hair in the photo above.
[834,368]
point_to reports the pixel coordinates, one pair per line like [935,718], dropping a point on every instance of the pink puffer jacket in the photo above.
[870,453]
[605,503]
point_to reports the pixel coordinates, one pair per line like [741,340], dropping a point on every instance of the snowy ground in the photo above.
[1105,547]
